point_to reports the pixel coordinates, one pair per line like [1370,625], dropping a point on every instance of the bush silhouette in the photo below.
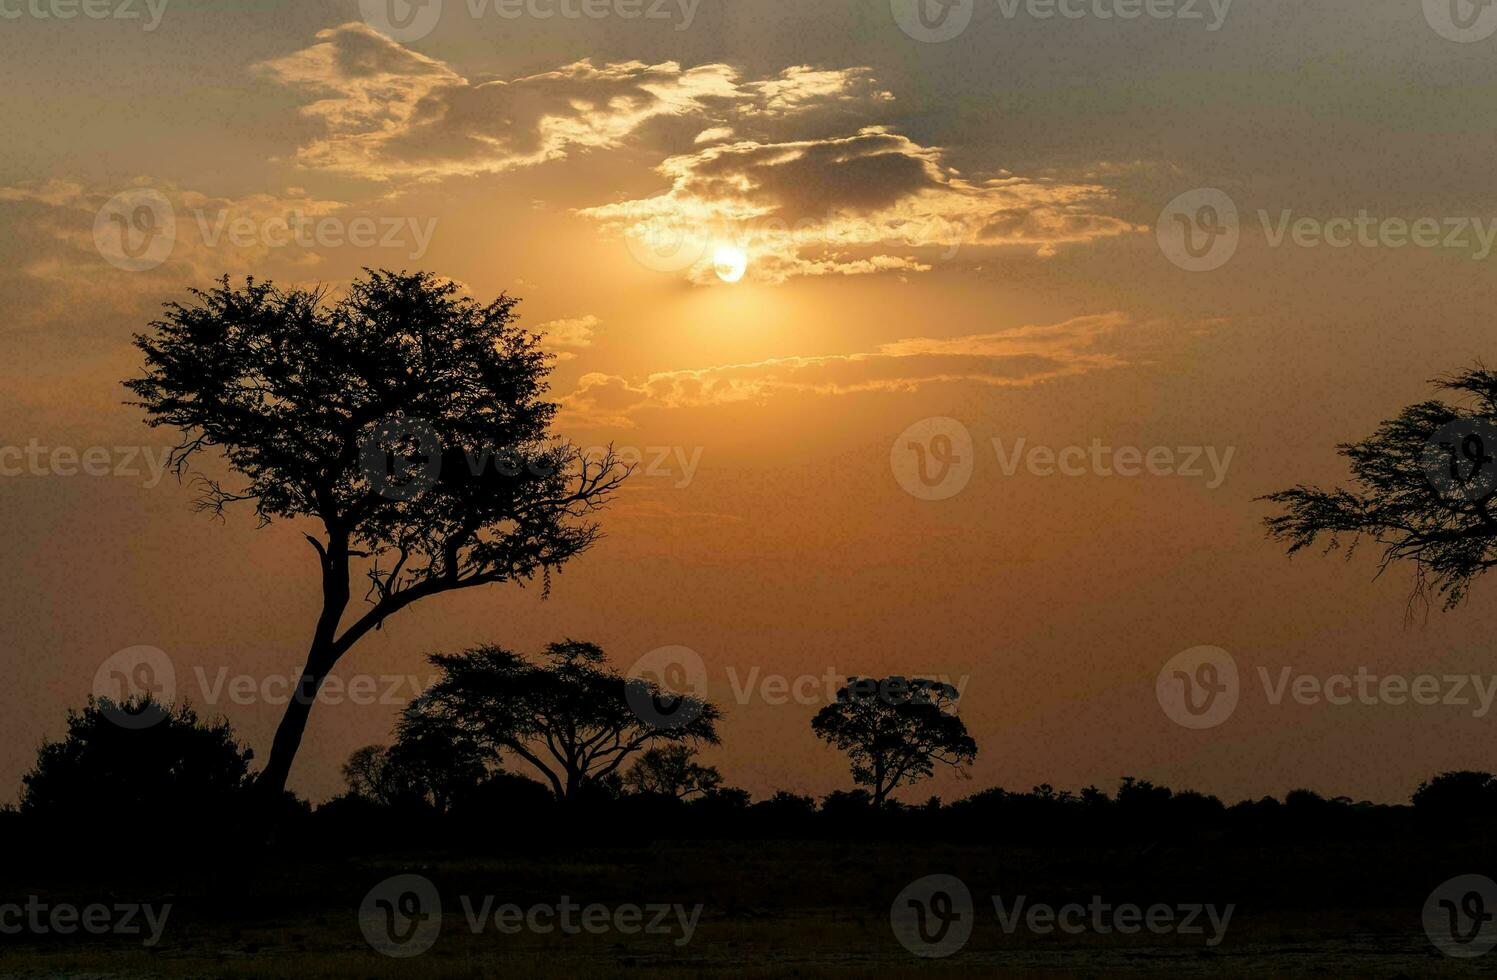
[179,775]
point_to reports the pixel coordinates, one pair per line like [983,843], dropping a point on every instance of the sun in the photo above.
[731,262]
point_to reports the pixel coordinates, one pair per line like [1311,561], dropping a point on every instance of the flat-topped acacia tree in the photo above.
[406,420]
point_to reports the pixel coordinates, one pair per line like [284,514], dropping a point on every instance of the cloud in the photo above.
[848,205]
[1019,356]
[862,200]
[389,112]
[70,238]
[573,332]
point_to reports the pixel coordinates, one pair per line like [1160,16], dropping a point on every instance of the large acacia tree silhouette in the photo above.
[404,419]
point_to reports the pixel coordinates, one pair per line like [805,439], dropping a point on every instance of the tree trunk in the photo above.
[325,651]
[272,780]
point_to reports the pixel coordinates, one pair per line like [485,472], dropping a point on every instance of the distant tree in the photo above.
[846,804]
[1424,487]
[670,770]
[723,799]
[1139,794]
[1094,798]
[434,760]
[365,772]
[569,717]
[506,799]
[407,421]
[178,769]
[1304,799]
[1462,794]
[895,731]
[785,804]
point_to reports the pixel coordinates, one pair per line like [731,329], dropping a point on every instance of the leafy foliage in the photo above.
[1401,501]
[569,717]
[407,420]
[670,771]
[178,767]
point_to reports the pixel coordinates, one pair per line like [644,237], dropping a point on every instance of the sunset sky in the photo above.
[974,229]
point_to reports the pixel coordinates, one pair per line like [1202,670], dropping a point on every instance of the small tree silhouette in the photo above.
[571,717]
[669,770]
[895,731]
[406,420]
[1425,482]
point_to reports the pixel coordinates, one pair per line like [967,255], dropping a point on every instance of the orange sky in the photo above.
[959,229]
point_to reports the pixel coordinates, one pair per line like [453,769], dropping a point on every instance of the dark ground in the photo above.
[771,909]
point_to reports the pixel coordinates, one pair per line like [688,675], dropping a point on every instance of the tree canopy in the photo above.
[406,420]
[895,731]
[569,717]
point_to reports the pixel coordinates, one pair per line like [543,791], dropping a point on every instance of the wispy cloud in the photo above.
[389,112]
[571,334]
[1018,356]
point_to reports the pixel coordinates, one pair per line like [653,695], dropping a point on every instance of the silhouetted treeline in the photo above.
[510,809]
[162,778]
